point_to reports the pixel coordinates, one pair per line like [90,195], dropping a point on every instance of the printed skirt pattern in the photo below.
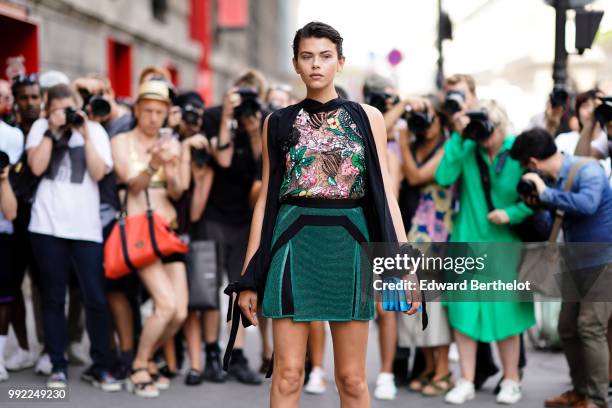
[315,273]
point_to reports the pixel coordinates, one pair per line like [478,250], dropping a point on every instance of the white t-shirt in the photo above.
[67,201]
[567,142]
[11,143]
[602,144]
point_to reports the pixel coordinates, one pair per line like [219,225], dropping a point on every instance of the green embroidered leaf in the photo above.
[357,185]
[307,161]
[350,133]
[300,153]
[292,153]
[359,162]
[346,153]
[336,131]
[298,171]
[285,185]
[331,181]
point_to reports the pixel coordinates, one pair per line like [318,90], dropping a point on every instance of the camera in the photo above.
[603,113]
[379,100]
[191,114]
[249,103]
[479,128]
[559,97]
[454,102]
[418,122]
[73,118]
[526,188]
[200,157]
[99,106]
[4,160]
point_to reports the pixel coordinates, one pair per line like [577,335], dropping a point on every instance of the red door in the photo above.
[19,39]
[119,66]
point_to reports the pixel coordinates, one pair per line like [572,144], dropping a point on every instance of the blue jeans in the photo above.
[54,257]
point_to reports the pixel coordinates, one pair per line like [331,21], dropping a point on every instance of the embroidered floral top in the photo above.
[328,160]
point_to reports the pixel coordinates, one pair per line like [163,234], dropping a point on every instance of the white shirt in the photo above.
[11,143]
[67,201]
[567,142]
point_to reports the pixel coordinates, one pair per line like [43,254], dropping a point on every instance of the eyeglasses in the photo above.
[28,79]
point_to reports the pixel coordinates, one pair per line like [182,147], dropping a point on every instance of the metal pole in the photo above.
[440,73]
[560,65]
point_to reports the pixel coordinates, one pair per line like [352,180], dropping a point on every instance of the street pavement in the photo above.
[546,375]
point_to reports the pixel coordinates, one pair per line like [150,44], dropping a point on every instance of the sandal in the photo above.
[161,382]
[436,388]
[418,383]
[146,389]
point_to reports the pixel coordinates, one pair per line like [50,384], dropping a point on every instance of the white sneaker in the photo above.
[43,365]
[462,391]
[3,373]
[385,387]
[20,360]
[77,355]
[316,381]
[509,393]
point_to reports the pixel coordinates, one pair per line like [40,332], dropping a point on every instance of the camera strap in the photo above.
[485,178]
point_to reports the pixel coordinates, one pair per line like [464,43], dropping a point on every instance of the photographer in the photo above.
[587,206]
[11,146]
[235,133]
[555,118]
[72,154]
[597,143]
[483,144]
[28,101]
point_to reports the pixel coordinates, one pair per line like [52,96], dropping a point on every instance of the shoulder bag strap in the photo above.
[485,179]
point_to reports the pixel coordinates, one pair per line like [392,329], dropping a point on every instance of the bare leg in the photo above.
[122,318]
[350,341]
[509,350]
[316,343]
[170,355]
[387,338]
[467,355]
[289,355]
[266,349]
[441,361]
[193,335]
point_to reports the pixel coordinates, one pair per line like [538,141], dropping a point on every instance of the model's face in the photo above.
[317,62]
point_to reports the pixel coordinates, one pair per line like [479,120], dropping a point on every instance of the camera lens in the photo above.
[479,128]
[73,118]
[99,106]
[559,97]
[603,113]
[418,123]
[454,102]
[525,187]
[200,157]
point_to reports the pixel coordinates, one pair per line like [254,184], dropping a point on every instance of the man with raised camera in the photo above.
[71,154]
[555,118]
[587,208]
[234,130]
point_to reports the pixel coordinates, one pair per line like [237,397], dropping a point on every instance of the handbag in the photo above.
[541,262]
[536,227]
[202,275]
[139,240]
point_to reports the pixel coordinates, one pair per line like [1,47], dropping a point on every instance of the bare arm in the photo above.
[8,202]
[40,156]
[224,157]
[392,115]
[395,173]
[203,178]
[414,174]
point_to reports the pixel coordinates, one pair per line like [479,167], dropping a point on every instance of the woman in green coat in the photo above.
[487,321]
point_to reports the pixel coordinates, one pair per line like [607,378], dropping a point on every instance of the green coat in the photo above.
[486,321]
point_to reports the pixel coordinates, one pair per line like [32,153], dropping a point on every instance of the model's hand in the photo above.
[413,297]
[247,300]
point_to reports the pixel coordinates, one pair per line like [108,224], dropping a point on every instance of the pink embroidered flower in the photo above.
[308,177]
[347,169]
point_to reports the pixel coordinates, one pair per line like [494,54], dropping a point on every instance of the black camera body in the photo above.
[200,157]
[559,97]
[525,188]
[379,100]
[418,122]
[480,126]
[100,107]
[73,118]
[249,103]
[191,114]
[454,102]
[4,160]
[603,113]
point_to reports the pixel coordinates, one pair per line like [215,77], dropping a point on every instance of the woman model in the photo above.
[325,189]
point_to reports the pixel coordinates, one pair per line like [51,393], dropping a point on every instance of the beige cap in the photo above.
[154,90]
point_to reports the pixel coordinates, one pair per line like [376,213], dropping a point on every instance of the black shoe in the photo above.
[101,379]
[242,373]
[610,389]
[213,371]
[482,376]
[194,377]
[265,365]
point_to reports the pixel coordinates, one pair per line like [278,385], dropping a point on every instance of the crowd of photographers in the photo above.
[73,157]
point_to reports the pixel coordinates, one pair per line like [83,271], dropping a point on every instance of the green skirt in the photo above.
[315,273]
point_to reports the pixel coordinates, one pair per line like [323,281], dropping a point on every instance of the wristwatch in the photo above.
[151,170]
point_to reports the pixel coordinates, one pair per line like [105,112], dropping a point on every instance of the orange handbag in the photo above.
[137,241]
